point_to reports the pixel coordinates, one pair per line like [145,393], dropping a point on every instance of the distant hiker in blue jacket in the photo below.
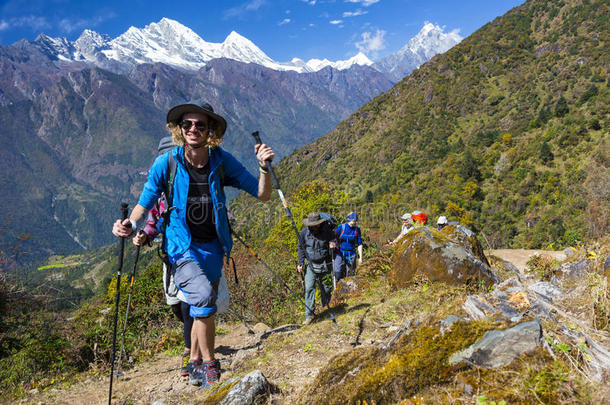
[349,239]
[197,234]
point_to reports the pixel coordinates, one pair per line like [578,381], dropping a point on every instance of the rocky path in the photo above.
[158,381]
[519,257]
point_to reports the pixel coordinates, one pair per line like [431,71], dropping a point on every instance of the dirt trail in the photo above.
[519,257]
[158,379]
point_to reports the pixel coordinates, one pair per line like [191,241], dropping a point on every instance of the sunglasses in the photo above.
[187,124]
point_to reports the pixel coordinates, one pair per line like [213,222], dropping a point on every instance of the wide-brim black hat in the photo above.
[313,219]
[175,115]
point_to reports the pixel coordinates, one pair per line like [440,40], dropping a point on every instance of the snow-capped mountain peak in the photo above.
[174,44]
[429,41]
[238,47]
[59,48]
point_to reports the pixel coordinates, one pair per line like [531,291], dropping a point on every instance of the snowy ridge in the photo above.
[174,44]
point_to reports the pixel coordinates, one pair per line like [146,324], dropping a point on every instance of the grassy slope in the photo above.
[307,365]
[506,132]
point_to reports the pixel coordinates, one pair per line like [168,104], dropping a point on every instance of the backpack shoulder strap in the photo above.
[169,200]
[171,177]
[342,230]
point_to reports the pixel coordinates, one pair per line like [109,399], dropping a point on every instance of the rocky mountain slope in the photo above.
[82,120]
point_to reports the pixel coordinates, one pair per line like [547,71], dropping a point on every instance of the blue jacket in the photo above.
[349,238]
[178,235]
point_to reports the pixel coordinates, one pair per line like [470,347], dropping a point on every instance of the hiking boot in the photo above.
[211,370]
[184,370]
[307,320]
[195,371]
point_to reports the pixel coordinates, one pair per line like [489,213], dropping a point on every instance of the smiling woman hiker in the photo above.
[197,233]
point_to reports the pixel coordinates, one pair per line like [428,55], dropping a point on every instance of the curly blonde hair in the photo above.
[174,129]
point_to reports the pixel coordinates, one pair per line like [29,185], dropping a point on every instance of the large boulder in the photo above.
[467,239]
[453,255]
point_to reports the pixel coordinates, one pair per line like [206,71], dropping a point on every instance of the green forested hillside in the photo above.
[506,132]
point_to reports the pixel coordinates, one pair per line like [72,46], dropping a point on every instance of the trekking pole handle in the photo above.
[276,183]
[122,244]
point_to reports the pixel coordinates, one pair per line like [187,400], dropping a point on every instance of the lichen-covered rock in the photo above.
[414,358]
[575,271]
[498,348]
[249,389]
[452,255]
[467,239]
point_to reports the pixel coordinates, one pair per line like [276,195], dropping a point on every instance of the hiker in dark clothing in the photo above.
[316,244]
[349,238]
[197,234]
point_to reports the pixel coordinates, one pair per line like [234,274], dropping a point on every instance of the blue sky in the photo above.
[283,29]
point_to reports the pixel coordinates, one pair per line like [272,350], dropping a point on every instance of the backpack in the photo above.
[330,220]
[317,252]
[316,249]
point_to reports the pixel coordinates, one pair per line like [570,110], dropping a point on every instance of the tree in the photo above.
[561,107]
[546,155]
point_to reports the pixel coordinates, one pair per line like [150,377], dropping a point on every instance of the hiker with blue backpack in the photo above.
[349,239]
[197,236]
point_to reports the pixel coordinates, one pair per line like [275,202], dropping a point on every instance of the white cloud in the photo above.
[244,8]
[371,42]
[67,25]
[365,3]
[284,21]
[354,13]
[336,22]
[310,2]
[36,23]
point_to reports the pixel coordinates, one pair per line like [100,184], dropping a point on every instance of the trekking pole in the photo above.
[116,300]
[131,282]
[276,184]
[260,259]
